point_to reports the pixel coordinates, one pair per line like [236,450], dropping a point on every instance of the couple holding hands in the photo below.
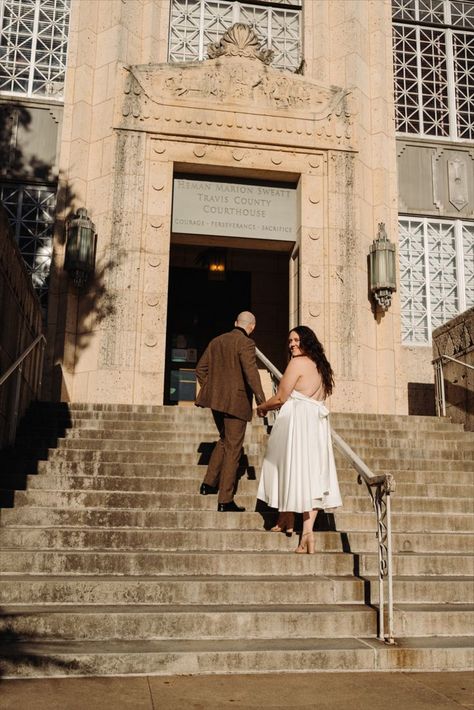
[298,472]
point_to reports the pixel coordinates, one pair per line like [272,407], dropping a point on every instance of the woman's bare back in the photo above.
[309,382]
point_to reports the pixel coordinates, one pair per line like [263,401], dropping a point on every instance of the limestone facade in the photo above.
[132,121]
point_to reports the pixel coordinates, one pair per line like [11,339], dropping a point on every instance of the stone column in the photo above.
[349,44]
[92,335]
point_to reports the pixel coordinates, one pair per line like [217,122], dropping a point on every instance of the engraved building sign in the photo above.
[234,209]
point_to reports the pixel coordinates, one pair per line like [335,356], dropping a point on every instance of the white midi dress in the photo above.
[299,471]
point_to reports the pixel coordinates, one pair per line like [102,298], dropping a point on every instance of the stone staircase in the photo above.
[112,563]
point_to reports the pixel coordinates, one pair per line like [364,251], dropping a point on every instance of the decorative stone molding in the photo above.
[457,183]
[229,80]
[235,95]
[240,41]
[314,310]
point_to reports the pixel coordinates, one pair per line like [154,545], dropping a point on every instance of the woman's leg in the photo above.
[307,539]
[308,521]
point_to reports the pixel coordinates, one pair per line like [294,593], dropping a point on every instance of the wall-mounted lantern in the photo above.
[382,268]
[81,240]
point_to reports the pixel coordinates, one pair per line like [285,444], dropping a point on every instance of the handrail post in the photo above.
[441,388]
[381,570]
[440,395]
[390,638]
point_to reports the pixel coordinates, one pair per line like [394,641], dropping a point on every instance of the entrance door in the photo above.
[203,303]
[198,310]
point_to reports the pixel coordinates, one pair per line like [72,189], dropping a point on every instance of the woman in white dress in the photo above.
[298,471]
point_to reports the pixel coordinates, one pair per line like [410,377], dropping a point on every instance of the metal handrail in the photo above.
[440,395]
[18,366]
[19,360]
[380,487]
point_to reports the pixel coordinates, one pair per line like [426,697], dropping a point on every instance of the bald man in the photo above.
[228,375]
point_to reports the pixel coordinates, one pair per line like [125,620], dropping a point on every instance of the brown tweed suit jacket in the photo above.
[228,375]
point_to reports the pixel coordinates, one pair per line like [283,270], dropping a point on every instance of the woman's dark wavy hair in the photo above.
[310,346]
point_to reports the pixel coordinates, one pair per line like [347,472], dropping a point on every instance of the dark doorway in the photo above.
[198,310]
[203,304]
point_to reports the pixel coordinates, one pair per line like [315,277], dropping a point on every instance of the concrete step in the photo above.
[167,539]
[195,432]
[148,500]
[195,424]
[239,621]
[170,434]
[189,622]
[189,485]
[193,448]
[166,563]
[190,458]
[443,450]
[33,659]
[78,427]
[434,523]
[108,590]
[108,562]
[434,620]
[384,421]
[197,471]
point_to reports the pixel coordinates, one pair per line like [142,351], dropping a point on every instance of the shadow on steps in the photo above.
[15,650]
[39,430]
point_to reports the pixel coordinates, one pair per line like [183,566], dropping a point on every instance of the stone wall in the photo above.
[131,122]
[20,324]
[456,339]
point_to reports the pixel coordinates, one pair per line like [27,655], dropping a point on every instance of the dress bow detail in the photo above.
[322,409]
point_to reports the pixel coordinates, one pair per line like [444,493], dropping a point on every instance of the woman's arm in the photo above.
[285,388]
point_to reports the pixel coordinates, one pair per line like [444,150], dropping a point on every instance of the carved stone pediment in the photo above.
[240,41]
[235,89]
[233,81]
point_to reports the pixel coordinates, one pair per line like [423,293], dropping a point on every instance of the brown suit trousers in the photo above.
[224,461]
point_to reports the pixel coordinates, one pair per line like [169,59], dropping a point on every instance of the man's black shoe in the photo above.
[230,507]
[206,490]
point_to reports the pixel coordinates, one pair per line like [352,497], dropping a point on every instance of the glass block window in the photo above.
[33,46]
[436,274]
[30,211]
[433,44]
[194,24]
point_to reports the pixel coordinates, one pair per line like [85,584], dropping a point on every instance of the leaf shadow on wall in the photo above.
[82,314]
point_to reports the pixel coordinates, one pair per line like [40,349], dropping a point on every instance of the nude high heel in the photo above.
[306,545]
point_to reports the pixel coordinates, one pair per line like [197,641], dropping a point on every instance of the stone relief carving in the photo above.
[238,74]
[234,83]
[240,41]
[457,183]
[435,178]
